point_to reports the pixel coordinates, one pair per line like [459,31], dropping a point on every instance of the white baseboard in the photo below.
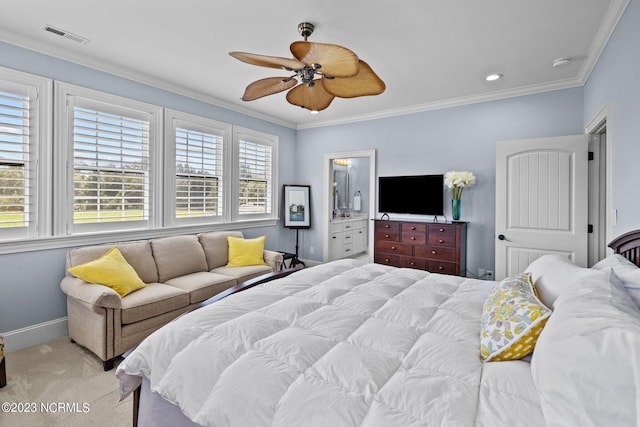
[35,334]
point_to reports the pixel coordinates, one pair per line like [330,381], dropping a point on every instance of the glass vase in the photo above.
[456,204]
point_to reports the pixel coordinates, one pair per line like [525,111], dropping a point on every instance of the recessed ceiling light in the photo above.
[493,77]
[314,111]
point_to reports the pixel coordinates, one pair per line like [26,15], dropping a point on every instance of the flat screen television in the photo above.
[416,194]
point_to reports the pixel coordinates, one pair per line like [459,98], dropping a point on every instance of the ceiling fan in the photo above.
[324,71]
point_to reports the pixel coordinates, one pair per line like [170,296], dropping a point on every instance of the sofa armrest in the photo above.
[94,294]
[273,259]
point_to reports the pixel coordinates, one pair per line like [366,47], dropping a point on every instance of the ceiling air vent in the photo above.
[66,34]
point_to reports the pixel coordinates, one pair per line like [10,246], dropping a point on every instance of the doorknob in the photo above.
[501,237]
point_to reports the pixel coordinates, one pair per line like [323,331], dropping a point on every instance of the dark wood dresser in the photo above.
[437,247]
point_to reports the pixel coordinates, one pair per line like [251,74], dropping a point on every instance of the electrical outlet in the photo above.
[312,250]
[489,275]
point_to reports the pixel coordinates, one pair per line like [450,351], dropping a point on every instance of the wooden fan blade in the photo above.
[267,61]
[336,61]
[366,82]
[314,98]
[268,86]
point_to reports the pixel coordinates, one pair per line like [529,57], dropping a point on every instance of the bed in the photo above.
[353,344]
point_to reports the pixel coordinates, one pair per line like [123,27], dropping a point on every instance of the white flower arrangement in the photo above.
[458,181]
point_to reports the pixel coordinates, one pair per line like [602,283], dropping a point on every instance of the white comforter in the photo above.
[340,344]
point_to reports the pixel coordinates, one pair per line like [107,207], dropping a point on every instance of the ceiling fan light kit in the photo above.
[321,72]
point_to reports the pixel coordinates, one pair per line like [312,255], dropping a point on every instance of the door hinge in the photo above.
[591,155]
[590,228]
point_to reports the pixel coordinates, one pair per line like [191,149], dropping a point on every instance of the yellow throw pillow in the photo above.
[243,252]
[512,319]
[111,270]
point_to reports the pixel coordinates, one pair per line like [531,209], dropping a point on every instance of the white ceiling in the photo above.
[431,54]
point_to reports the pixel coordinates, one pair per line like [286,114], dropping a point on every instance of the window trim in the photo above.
[173,119]
[41,126]
[240,133]
[64,160]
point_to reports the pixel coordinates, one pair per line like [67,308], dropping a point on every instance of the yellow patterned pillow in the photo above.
[111,270]
[512,319]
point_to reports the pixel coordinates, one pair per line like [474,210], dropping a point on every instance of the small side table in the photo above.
[3,373]
[293,260]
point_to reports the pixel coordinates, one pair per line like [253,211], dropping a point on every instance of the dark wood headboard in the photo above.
[628,245]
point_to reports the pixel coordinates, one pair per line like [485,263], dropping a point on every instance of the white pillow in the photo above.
[617,262]
[627,271]
[586,365]
[552,274]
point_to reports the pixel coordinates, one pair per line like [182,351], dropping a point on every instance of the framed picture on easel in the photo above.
[296,206]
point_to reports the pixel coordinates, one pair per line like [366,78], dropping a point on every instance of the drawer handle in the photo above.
[386,260]
[386,226]
[440,267]
[347,237]
[393,248]
[434,252]
[334,237]
[442,230]
[347,250]
[413,264]
[413,238]
[441,241]
[386,236]
[413,228]
[360,232]
[347,226]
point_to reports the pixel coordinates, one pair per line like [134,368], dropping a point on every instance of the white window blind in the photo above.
[110,167]
[199,173]
[15,168]
[255,174]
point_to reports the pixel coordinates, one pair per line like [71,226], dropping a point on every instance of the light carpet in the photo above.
[66,386]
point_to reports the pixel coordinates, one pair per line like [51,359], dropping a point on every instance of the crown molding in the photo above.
[449,103]
[119,71]
[609,24]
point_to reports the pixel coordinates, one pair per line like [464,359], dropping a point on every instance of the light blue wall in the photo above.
[460,138]
[30,282]
[615,83]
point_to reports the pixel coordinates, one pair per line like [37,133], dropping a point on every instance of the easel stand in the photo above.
[295,261]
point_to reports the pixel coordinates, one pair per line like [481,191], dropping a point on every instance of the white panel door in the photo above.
[541,201]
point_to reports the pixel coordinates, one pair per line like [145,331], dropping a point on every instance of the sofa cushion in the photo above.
[111,270]
[138,254]
[202,285]
[243,273]
[153,300]
[216,247]
[178,255]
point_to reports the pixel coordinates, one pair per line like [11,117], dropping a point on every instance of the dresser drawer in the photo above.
[441,267]
[442,235]
[414,233]
[411,262]
[385,259]
[436,253]
[394,248]
[387,227]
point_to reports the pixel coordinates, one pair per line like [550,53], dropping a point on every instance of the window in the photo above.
[196,150]
[24,106]
[121,169]
[255,163]
[109,142]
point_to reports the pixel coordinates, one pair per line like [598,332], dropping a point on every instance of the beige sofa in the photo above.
[180,272]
